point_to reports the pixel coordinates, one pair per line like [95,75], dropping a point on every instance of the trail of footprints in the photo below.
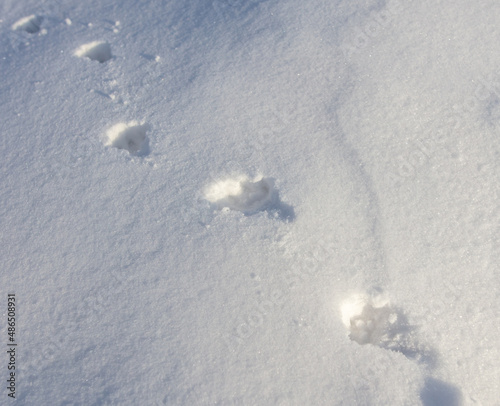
[131,136]
[368,318]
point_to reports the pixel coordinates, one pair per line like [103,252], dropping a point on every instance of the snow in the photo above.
[259,202]
[241,193]
[129,136]
[30,24]
[97,51]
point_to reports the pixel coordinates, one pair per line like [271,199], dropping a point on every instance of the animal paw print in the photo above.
[248,196]
[129,136]
[31,24]
[96,51]
[371,319]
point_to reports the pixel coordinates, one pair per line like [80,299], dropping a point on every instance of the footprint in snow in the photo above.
[371,319]
[130,137]
[96,51]
[248,196]
[31,24]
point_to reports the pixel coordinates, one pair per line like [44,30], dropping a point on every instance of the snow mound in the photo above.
[129,136]
[97,51]
[31,24]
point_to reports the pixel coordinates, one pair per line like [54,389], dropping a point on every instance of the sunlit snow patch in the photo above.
[241,194]
[30,24]
[97,51]
[129,136]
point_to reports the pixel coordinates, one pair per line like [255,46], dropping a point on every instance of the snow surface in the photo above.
[252,202]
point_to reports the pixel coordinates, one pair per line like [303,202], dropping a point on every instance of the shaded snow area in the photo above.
[251,202]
